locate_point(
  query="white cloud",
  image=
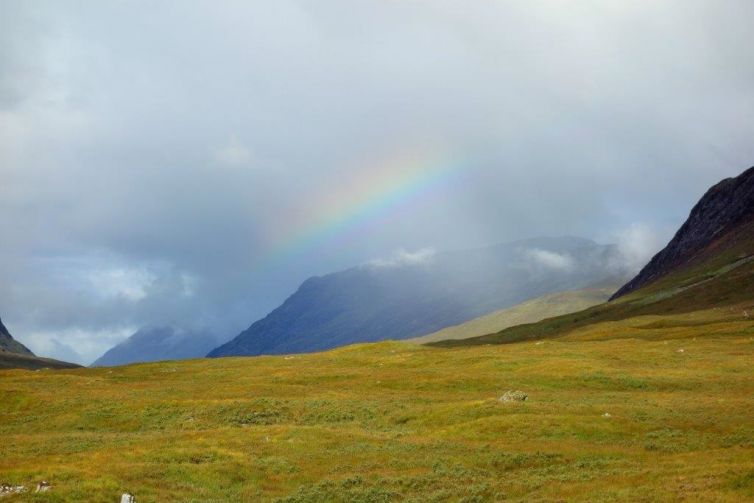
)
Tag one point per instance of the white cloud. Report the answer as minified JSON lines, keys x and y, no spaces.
{"x":131,"y":284}
{"x":550,"y":260}
{"x":402,"y":258}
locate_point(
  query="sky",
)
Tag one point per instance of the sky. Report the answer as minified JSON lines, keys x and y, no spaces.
{"x":192,"y":162}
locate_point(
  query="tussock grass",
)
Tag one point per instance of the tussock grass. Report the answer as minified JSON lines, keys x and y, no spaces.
{"x":400,"y":422}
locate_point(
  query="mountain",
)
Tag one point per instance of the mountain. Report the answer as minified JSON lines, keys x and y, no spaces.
{"x":157,"y":343}
{"x":720,"y":212}
{"x":704,"y":278}
{"x":14,"y":355}
{"x":9,"y":344}
{"x":420,"y":294}
{"x":531,"y":311}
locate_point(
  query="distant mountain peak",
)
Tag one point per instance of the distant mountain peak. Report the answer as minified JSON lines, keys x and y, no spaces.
{"x":154,"y":343}
{"x":725,"y":207}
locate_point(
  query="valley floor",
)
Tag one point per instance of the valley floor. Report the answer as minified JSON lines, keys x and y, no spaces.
{"x":620,"y":419}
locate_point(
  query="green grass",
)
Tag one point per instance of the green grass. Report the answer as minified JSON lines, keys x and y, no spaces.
{"x":396,"y":422}
{"x":530,"y":311}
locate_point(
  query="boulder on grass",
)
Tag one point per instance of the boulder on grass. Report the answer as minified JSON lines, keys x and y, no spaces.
{"x":514,"y":396}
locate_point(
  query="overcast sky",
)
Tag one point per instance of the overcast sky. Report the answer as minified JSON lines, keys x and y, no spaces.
{"x":191,"y":163}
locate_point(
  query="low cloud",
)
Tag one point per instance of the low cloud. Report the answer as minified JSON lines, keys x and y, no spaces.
{"x":550,"y":260}
{"x":403,"y":258}
{"x":638,"y":243}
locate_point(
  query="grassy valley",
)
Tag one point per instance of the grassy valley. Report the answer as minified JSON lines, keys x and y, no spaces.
{"x":645,"y":398}
{"x":621,"y":418}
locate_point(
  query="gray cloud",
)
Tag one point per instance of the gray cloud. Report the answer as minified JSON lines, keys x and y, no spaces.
{"x":151,"y":165}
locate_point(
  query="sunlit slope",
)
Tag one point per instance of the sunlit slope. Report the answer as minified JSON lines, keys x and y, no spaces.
{"x":621,"y":419}
{"x":718,"y":287}
{"x":528,"y":312}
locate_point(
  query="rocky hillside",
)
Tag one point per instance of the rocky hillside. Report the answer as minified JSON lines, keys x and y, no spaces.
{"x":400,"y":300}
{"x":9,"y":344}
{"x":723,"y":209}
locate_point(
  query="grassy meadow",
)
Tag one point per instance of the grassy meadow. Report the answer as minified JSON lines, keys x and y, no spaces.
{"x":632,"y":419}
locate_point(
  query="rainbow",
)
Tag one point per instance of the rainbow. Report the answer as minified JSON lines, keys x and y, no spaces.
{"x":386,"y":188}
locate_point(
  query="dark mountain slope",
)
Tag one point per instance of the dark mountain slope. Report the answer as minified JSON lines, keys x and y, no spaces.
{"x":725,"y":206}
{"x":716,"y":274}
{"x":404,"y":300}
{"x":9,"y":344}
{"x":151,"y":344}
{"x":14,"y":355}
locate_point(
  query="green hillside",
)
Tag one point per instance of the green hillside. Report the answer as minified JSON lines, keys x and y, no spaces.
{"x":716,"y":287}
{"x":530,"y":311}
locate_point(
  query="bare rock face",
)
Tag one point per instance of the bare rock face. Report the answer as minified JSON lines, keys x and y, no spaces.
{"x":724,"y":207}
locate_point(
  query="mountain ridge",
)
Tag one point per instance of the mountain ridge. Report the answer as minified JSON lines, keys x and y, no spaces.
{"x":382,"y":300}
{"x":725,"y":206}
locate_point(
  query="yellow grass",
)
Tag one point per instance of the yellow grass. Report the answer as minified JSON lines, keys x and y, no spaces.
{"x":398,"y":422}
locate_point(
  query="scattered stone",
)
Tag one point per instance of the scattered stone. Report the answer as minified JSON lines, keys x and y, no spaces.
{"x":681,"y":351}
{"x":607,"y":414}
{"x":7,"y":490}
{"x":514,"y":396}
{"x":127,"y":498}
{"x":43,"y":487}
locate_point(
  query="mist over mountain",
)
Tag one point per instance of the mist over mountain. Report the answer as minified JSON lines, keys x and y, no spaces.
{"x":416,"y":294}
{"x":158,"y":343}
